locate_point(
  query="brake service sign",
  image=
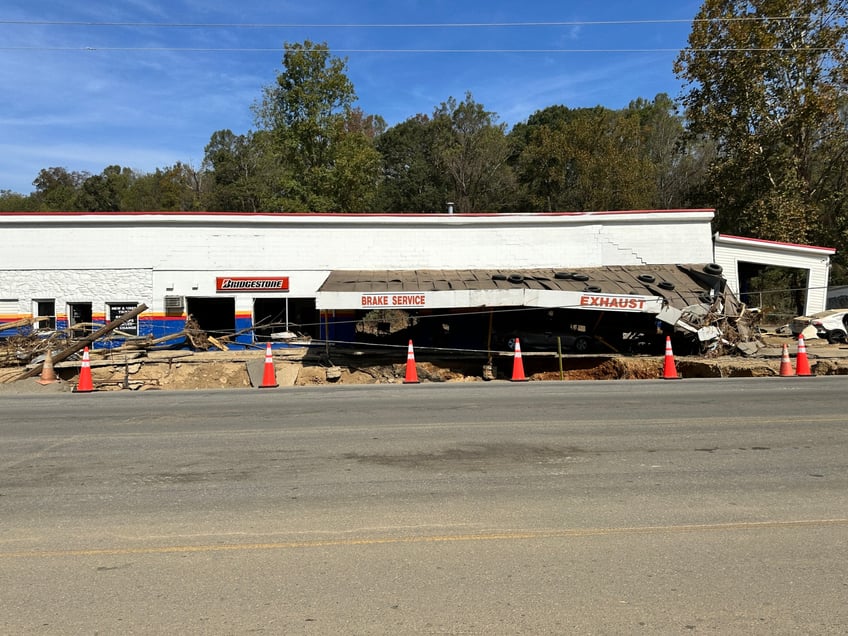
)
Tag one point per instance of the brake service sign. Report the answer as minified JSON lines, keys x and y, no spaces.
{"x":252,"y":283}
{"x":405,"y":301}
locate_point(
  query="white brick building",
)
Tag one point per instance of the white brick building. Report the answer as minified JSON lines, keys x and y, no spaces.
{"x":90,"y":267}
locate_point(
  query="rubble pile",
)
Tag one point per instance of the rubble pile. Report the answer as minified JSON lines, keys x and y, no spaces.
{"x":31,"y":346}
{"x":724,"y":326}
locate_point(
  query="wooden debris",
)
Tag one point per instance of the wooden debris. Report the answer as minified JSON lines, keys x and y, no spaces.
{"x":24,"y":322}
{"x":218,"y":343}
{"x":87,"y":340}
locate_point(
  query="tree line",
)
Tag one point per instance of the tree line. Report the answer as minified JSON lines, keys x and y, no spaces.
{"x":760,"y":133}
{"x":313,"y":158}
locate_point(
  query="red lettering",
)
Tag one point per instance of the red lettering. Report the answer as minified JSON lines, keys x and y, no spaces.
{"x":372,"y":301}
{"x":612,"y":302}
{"x":409,"y":300}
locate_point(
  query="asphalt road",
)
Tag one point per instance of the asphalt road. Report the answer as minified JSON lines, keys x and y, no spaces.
{"x":629,"y":507}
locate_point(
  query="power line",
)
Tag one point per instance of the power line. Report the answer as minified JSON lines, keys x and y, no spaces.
{"x":434,"y":25}
{"x":399,"y":25}
{"x":414,"y":51}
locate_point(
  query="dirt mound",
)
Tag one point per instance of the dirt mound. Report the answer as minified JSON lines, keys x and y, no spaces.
{"x":182,"y":370}
{"x":380,"y":374}
{"x":610,"y":369}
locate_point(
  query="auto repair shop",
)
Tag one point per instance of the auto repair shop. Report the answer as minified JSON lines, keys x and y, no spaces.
{"x":259,"y":277}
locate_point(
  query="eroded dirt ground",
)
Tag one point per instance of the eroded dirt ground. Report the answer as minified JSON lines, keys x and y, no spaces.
{"x":183,"y":370}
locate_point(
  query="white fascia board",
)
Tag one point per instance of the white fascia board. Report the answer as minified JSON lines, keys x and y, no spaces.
{"x":315,"y":220}
{"x":776,"y":247}
{"x":489,"y":298}
{"x":630,"y":303}
{"x":449,"y":299}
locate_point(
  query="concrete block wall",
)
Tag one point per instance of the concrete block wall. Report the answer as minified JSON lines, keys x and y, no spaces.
{"x":99,"y":287}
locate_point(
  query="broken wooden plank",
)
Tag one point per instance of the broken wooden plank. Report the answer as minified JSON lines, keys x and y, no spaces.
{"x":84,"y":342}
{"x":23,"y":322}
{"x":218,"y":343}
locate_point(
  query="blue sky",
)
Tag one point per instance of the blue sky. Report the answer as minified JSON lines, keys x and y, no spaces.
{"x":149,"y":88}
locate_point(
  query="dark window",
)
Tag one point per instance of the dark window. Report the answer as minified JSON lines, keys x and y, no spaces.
{"x":80,"y":314}
{"x":46,"y":308}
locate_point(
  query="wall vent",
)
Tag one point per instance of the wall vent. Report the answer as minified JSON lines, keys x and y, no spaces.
{"x":173,"y":304}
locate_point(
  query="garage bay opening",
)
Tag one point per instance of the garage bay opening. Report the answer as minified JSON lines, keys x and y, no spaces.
{"x":281,"y":319}
{"x":215,"y":316}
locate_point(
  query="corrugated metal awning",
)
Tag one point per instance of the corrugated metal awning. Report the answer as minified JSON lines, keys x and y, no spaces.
{"x":643,"y":288}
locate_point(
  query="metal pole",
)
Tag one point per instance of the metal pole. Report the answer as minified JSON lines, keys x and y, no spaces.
{"x":559,"y":355}
{"x":489,"y":340}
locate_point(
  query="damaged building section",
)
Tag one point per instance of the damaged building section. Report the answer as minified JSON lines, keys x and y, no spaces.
{"x":624,"y":309}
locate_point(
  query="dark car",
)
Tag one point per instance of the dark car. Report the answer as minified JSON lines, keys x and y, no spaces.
{"x":547,"y":341}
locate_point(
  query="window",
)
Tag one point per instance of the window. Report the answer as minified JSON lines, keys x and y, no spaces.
{"x":80,"y":314}
{"x":46,"y":308}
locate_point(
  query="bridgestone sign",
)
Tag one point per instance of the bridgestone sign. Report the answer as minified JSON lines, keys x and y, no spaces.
{"x":252,"y":283}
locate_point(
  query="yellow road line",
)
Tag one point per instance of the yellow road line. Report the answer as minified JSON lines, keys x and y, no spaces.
{"x":486,"y":536}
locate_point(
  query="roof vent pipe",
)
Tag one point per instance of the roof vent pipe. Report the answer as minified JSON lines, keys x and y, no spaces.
{"x":450,"y":207}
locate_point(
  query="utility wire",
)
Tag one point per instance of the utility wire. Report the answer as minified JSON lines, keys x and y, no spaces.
{"x":399,"y":25}
{"x":433,"y":25}
{"x":412,"y":51}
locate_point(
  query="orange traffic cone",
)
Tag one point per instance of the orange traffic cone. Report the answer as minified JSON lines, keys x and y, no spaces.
{"x":48,"y":374}
{"x":669,"y":368}
{"x":785,"y":364}
{"x":518,"y":364}
{"x":802,"y":363}
{"x":269,"y":374}
{"x":411,"y":370}
{"x":85,"y":385}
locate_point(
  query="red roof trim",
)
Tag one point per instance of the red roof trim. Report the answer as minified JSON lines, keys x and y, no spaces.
{"x":351,"y":214}
{"x":747,"y":239}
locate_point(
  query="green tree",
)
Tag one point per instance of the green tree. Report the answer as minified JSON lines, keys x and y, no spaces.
{"x":584,"y":159}
{"x":57,"y":189}
{"x":324,"y":161}
{"x":179,"y":187}
{"x":107,"y":191}
{"x":15,"y":202}
{"x":767,"y":84}
{"x":354,"y":176}
{"x":236,"y":166}
{"x":662,"y":133}
{"x":411,"y":179}
{"x":472,"y":149}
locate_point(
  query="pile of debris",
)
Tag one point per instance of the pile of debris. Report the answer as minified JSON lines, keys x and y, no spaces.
{"x":33,"y":348}
{"x":722,"y":325}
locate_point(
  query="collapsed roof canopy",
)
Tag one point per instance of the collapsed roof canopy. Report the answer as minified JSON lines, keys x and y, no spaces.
{"x":644,"y":288}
